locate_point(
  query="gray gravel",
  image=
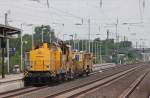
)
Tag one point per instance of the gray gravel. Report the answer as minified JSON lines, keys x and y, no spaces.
{"x":143,"y":90}
{"x":114,"y":89}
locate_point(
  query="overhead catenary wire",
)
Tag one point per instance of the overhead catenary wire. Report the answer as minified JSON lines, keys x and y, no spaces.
{"x":39,"y":17}
{"x":64,"y":14}
{"x":62,"y":11}
{"x":68,"y":14}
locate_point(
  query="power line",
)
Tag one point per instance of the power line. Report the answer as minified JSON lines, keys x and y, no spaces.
{"x":67,"y":14}
{"x":62,"y":11}
{"x":101,"y":3}
{"x":48,"y":3}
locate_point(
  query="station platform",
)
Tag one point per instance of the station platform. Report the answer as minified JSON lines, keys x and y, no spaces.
{"x":11,"y":77}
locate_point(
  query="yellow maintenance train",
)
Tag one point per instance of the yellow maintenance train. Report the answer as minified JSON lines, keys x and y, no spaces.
{"x":55,"y":62}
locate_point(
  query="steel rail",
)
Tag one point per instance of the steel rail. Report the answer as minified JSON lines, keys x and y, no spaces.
{"x":69,"y":92}
{"x":20,"y":91}
{"x":24,"y":91}
{"x":134,"y":85}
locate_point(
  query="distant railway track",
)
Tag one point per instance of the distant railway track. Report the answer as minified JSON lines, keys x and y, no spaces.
{"x":76,"y":91}
{"x":133,"y":86}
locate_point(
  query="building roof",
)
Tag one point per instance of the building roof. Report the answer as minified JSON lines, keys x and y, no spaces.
{"x":6,"y":31}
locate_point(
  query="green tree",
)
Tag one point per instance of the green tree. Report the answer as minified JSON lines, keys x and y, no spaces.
{"x":47,"y":32}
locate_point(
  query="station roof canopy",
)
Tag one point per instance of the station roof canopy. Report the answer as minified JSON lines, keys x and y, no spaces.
{"x":6,"y":31}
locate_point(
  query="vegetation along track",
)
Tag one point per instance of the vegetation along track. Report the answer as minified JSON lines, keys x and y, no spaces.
{"x":76,"y":91}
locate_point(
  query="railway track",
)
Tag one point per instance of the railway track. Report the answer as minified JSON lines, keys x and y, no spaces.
{"x":74,"y":92}
{"x":126,"y":92}
{"x":24,"y":92}
{"x":133,"y":86}
{"x":20,"y":91}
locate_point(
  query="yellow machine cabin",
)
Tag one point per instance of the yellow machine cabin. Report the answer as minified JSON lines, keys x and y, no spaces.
{"x":55,"y":62}
{"x":46,"y":58}
{"x":40,"y":58}
{"x":48,"y":61}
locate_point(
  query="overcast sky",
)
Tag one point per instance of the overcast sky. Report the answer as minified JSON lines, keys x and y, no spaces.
{"x":71,"y":12}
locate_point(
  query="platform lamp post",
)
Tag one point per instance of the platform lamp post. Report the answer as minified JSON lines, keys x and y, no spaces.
{"x":7,"y":21}
{"x":69,"y":42}
{"x":133,"y":34}
{"x":21,"y":56}
{"x":54,"y":25}
{"x":32,"y":25}
{"x":43,"y":28}
{"x":64,"y":39}
{"x":95,"y":51}
{"x":100,"y":51}
{"x":82,"y":44}
{"x":92,"y":45}
{"x":79,"y":24}
{"x":50,"y":37}
{"x":58,"y":37}
{"x":96,"y":45}
{"x":76,"y":42}
{"x":21,"y":67}
{"x":42,"y":33}
{"x":72,"y":36}
{"x":22,"y":44}
{"x":64,"y":36}
{"x":100,"y":55}
{"x":101,"y":59}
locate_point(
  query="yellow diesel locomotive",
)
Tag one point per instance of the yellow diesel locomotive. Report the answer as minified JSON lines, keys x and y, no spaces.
{"x":55,"y":62}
